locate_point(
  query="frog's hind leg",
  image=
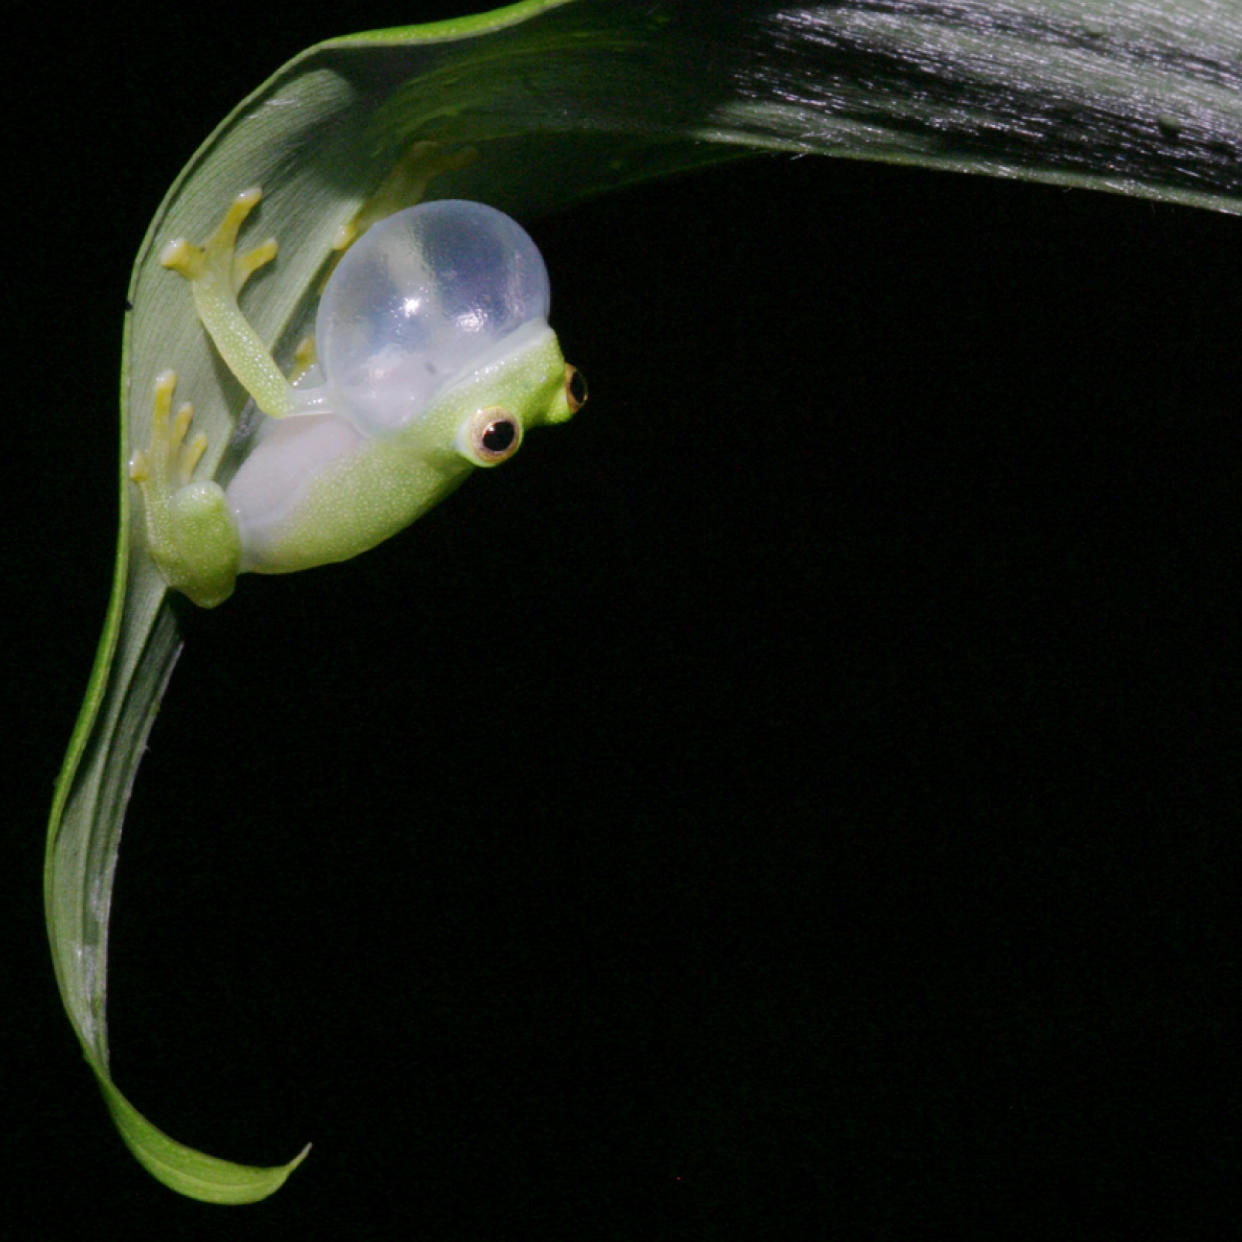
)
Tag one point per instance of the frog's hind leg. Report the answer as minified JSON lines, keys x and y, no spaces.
{"x":217,"y":273}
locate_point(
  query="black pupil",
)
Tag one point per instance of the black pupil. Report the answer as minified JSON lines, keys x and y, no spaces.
{"x":499,"y":436}
{"x":577,"y":387}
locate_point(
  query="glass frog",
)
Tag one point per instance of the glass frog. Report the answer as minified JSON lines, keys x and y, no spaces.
{"x":434,"y":356}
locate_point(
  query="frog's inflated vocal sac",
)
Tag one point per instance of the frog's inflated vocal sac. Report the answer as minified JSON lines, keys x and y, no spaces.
{"x":433,"y":356}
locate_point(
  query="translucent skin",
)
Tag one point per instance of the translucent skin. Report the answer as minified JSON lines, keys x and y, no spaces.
{"x":423,"y":295}
{"x":434,"y":356}
{"x":316,"y":489}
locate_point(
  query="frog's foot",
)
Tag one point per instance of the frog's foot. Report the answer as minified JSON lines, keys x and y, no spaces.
{"x":190,"y":531}
{"x":217,"y":259}
{"x":217,"y":273}
{"x":168,"y":463}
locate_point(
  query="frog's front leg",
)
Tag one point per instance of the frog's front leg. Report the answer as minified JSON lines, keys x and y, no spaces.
{"x":191,"y":532}
{"x":216,"y":273}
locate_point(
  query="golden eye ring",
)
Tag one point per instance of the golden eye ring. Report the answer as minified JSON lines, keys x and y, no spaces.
{"x":490,"y":436}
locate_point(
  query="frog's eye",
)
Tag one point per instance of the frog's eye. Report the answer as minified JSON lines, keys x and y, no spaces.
{"x":489,"y":436}
{"x":575,"y":388}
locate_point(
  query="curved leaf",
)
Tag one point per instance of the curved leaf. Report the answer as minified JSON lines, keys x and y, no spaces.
{"x":542,"y":104}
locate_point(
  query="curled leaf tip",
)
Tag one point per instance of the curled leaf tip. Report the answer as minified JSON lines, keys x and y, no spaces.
{"x":190,"y":1172}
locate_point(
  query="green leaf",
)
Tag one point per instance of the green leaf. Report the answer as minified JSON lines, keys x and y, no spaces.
{"x":540,"y":105}
{"x":192,"y":1173}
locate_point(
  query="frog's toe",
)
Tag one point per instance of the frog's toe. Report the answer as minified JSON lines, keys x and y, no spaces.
{"x":182,"y":258}
{"x":188,"y":455}
{"x":245,"y":265}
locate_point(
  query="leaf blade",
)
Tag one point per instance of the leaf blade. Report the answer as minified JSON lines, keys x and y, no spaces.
{"x":616,"y":93}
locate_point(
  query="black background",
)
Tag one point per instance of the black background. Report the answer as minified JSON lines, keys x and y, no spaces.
{"x":797,"y":798}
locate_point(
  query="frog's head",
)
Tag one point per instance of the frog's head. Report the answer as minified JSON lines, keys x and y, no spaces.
{"x":440,"y":303}
{"x":524,"y":383}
